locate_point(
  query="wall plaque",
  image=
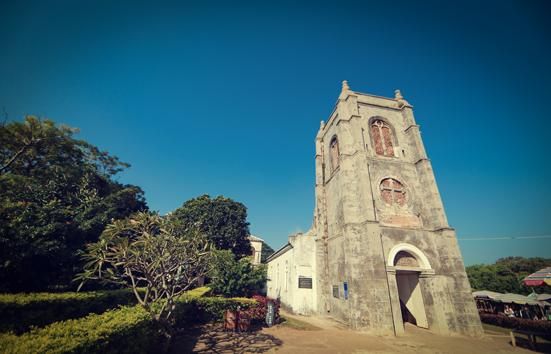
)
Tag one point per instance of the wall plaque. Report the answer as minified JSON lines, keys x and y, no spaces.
{"x":304,"y":282}
{"x":336,"y":291}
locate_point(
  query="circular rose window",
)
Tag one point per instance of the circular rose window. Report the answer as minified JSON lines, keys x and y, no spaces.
{"x":393,"y":192}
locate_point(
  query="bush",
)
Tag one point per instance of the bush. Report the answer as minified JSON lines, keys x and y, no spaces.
{"x":191,"y":310}
{"x":213,"y":308}
{"x":517,"y":323}
{"x":128,"y":329}
{"x":258,"y":312}
{"x":197,"y":310}
{"x":125,"y":330}
{"x":18,"y":312}
{"x":197,"y":292}
{"x":231,"y":277}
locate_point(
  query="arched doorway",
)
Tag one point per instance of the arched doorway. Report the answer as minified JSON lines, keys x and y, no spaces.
{"x":408,"y":262}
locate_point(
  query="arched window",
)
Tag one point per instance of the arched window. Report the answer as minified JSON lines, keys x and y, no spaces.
{"x":405,"y":259}
{"x":397,"y":253}
{"x":382,"y":138}
{"x":334,"y":153}
{"x":393,"y":192}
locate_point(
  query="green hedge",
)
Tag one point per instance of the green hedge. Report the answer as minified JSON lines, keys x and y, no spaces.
{"x":18,"y":312}
{"x":197,"y":292}
{"x":192,"y":310}
{"x":125,"y":330}
{"x":213,"y":308}
{"x":194,"y":306}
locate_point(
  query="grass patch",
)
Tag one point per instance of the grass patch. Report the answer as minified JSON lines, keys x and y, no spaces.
{"x":297,"y":324}
{"x":491,"y":329}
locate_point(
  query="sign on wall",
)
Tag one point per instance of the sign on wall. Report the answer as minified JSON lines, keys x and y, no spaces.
{"x":304,"y":282}
{"x":345,"y":288}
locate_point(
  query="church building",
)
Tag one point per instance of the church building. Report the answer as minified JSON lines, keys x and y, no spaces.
{"x":380,"y":251}
{"x":256,"y":249}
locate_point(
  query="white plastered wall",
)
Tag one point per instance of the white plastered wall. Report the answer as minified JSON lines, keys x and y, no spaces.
{"x":284,"y":272}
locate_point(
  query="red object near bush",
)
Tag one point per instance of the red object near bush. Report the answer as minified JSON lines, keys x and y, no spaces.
{"x":243,"y":321}
{"x":230,"y":320}
{"x":258,"y":312}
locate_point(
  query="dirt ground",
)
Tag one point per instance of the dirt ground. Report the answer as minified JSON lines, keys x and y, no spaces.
{"x":327,"y":336}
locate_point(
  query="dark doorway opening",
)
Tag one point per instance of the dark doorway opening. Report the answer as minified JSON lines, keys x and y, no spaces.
{"x":411,"y":300}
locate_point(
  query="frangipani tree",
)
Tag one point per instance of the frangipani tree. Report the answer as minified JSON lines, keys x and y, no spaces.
{"x":153,"y":255}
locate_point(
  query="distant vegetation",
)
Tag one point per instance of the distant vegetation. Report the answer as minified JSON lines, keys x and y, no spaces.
{"x":506,"y":274}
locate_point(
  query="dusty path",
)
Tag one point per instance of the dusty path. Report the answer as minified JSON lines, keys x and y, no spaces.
{"x":332,"y":337}
{"x":329,"y":336}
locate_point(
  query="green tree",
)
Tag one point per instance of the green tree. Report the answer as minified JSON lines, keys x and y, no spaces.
{"x":235,"y":277}
{"x":146,"y":251}
{"x":506,"y":274}
{"x":56,"y":194}
{"x":222,"y":220}
{"x":267,"y":251}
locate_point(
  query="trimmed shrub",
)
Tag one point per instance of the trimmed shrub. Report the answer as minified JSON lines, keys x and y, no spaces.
{"x":232,"y":277}
{"x":18,"y":312}
{"x":517,"y":323}
{"x":197,"y":310}
{"x":125,"y":330}
{"x":197,"y":292}
{"x":213,"y":308}
{"x":203,"y":309}
{"x":258,"y":312}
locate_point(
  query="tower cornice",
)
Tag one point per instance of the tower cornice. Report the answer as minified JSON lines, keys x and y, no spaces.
{"x":397,"y":103}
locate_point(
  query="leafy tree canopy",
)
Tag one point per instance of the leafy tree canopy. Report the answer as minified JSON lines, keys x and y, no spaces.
{"x":506,"y":274}
{"x":222,"y":220}
{"x":231,"y":277}
{"x":56,"y":194}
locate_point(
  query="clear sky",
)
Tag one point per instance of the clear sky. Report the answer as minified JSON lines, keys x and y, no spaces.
{"x":226,"y":98}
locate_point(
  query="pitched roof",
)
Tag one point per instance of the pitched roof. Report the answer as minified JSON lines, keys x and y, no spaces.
{"x":508,"y":298}
{"x":279,"y":252}
{"x":255,"y":238}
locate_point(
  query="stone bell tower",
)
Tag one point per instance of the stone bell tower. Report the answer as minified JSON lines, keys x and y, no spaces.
{"x":385,"y":253}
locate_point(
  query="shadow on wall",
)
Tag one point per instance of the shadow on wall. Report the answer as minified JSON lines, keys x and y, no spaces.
{"x":212,"y":338}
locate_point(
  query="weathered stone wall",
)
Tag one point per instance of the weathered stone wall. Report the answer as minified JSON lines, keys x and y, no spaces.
{"x":376,"y":196}
{"x":446,"y":290}
{"x":356,"y":223}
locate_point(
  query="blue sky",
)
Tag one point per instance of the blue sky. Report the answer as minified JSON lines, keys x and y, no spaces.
{"x":215,"y":98}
